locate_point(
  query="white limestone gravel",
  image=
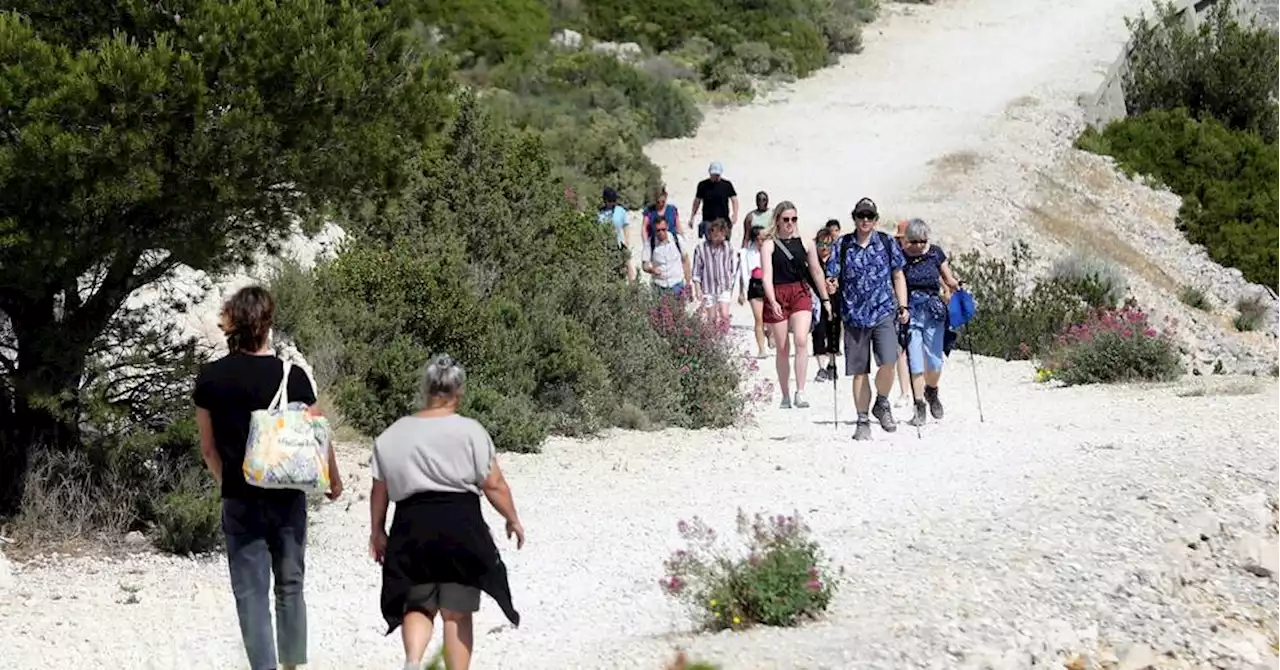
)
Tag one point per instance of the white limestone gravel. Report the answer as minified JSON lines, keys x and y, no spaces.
{"x":1125,"y":524}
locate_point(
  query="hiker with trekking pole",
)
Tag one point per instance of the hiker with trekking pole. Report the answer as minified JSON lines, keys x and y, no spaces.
{"x":866,"y":269}
{"x":927,"y":272}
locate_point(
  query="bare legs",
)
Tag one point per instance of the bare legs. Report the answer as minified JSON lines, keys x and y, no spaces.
{"x":862,"y":390}
{"x":416,"y":632}
{"x":757,"y":313}
{"x":929,"y":378}
{"x":905,"y":383}
{"x":797,"y":323}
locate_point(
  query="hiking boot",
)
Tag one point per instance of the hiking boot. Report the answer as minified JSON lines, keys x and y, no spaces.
{"x":935,"y":405}
{"x":882,"y":412}
{"x":786,"y":402}
{"x":919,"y":418}
{"x":863,"y":431}
{"x":832,"y":375}
{"x":800,"y":402}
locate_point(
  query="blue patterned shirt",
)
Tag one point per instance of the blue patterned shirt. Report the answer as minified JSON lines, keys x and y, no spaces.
{"x":866,"y":288}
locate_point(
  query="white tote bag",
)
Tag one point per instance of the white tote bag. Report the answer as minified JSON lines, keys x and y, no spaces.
{"x":288,"y":445}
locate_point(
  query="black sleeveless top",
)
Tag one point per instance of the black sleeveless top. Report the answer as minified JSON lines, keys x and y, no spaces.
{"x":789,"y":271}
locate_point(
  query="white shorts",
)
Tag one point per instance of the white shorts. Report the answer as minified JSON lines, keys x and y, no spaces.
{"x":709,"y":300}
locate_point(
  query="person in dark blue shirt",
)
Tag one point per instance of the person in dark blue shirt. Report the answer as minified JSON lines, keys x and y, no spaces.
{"x":926,"y":272}
{"x":867,"y":269}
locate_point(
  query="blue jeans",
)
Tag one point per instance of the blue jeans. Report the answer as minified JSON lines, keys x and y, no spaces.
{"x":924,"y":349}
{"x":267,"y":537}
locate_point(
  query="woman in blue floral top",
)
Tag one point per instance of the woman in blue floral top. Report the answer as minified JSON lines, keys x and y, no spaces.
{"x":926,"y":272}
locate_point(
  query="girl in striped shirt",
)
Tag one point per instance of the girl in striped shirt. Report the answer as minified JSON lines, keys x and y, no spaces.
{"x":715,"y":271}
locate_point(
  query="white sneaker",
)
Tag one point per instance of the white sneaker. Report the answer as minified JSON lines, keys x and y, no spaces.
{"x":800,"y":402}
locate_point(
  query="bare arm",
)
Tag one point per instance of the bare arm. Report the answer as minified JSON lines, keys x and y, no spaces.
{"x":766,"y":267}
{"x":697,"y":205}
{"x":378,"y":502}
{"x":498,"y":493}
{"x":688,"y":271}
{"x":733,"y":209}
{"x":746,"y":228}
{"x":816,"y":271}
{"x":948,"y":278}
{"x":900,"y":287}
{"x":208,"y":449}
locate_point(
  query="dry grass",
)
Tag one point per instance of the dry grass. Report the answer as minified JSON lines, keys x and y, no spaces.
{"x":1231,"y":388}
{"x":956,"y":163}
{"x":1076,"y":222}
{"x":68,"y":511}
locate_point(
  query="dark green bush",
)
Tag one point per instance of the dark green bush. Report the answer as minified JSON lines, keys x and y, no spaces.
{"x":489,"y":30}
{"x":1222,"y":68}
{"x":1227,"y":180}
{"x":189,"y":518}
{"x":486,"y":259}
{"x":1013,"y":323}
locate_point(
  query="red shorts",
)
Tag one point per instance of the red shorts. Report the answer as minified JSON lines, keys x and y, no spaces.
{"x":792,"y":298}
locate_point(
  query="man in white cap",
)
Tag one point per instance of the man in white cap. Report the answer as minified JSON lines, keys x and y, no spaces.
{"x":716,"y":199}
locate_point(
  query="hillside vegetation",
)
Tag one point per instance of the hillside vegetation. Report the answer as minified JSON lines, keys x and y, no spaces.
{"x":1204,"y":123}
{"x":457,"y":145}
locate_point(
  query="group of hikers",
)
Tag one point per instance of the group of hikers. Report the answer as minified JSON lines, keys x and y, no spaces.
{"x":865,"y":293}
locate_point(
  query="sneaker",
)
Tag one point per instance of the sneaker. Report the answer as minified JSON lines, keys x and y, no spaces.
{"x":800,"y":402}
{"x":822,"y":376}
{"x":919,"y":418}
{"x":902,"y":401}
{"x":935,"y":405}
{"x":884,"y":415}
{"x":863,"y":431}
{"x":786,"y":403}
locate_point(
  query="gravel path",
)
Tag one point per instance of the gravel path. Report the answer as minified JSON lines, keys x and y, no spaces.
{"x":1112,"y":522}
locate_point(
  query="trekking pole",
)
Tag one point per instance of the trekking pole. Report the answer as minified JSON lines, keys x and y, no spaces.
{"x":973,"y":365}
{"x":905,"y":338}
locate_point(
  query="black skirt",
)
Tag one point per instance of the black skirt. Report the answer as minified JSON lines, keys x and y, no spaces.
{"x":441,"y":538}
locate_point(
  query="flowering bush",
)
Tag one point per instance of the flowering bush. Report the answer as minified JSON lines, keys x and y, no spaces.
{"x":1113,"y":345}
{"x":782,"y":580}
{"x":710,"y":373}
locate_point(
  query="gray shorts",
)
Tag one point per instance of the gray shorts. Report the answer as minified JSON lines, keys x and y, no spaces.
{"x":881,"y":338}
{"x":447,"y":596}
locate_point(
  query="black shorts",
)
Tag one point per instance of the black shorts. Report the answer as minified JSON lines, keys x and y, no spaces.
{"x":826,"y":335}
{"x":755,"y":289}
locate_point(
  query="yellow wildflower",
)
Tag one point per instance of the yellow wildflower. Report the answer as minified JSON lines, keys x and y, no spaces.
{"x":736,"y":621}
{"x":713,"y":602}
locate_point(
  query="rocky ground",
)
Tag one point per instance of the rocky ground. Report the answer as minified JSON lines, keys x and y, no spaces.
{"x":1120,"y":527}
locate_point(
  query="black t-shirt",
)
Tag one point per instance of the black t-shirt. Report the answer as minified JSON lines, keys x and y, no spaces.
{"x":715,"y":198}
{"x":231,"y":388}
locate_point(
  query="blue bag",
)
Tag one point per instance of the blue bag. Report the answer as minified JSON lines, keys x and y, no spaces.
{"x":961,"y":309}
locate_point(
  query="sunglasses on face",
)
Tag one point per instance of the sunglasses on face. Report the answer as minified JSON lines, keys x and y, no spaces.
{"x":864,"y":217}
{"x":663,"y":229}
{"x":917,"y":241}
{"x":789,"y":219}
{"x":823,"y":245}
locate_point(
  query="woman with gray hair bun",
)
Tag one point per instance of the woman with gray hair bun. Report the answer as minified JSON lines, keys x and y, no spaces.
{"x":439,"y":555}
{"x":926,"y":272}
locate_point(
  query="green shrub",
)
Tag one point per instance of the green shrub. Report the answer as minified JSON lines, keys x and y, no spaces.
{"x":1195,"y":298}
{"x":189,"y":518}
{"x":486,"y":259}
{"x":1252,"y":312}
{"x":1111,"y":346}
{"x":1097,"y":282}
{"x":1013,"y":323}
{"x":1227,"y":180}
{"x":489,"y":30}
{"x":783,"y":580}
{"x":1221,"y":68}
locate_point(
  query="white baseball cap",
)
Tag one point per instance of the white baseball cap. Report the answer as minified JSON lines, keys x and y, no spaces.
{"x":716,"y":168}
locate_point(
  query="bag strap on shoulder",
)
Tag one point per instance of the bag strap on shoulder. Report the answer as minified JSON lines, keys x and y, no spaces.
{"x":281,"y":399}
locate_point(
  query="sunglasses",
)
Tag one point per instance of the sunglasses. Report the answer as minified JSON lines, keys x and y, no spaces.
{"x":917,"y":241}
{"x":789,"y":219}
{"x":824,"y":244}
{"x":864,"y":217}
